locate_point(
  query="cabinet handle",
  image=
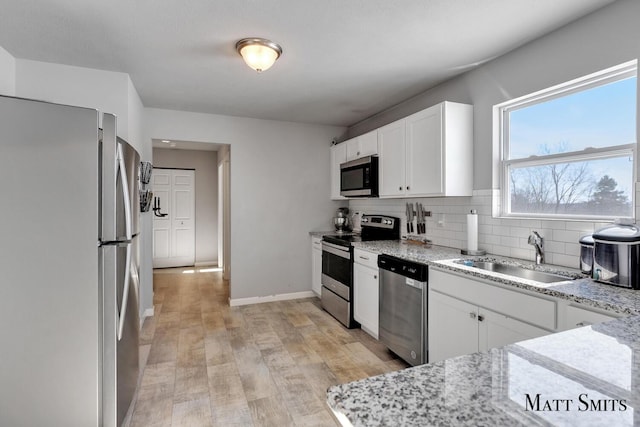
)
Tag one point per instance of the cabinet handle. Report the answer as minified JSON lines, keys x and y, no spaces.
{"x":363,"y":257}
{"x":400,"y":188}
{"x":584,"y":323}
{"x":480,"y":318}
{"x":358,"y":153}
{"x":472,"y":315}
{"x":375,"y":276}
{"x":407,"y":187}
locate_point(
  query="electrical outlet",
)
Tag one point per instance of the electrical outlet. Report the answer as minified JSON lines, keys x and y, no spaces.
{"x":441,"y":220}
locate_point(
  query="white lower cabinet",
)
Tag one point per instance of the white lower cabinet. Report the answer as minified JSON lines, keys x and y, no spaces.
{"x":453,"y":327}
{"x":316,"y":264}
{"x":497,"y":330}
{"x":366,"y":291}
{"x":467,"y":315}
{"x":577,"y":316}
{"x":459,"y":325}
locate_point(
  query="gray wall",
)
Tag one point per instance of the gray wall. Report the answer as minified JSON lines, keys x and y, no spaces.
{"x":605,"y":38}
{"x":7,"y":73}
{"x":206,"y":193}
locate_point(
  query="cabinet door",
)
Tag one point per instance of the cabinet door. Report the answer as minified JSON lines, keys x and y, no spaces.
{"x":368,"y":144}
{"x":453,"y":327}
{"x":362,"y":146}
{"x":365,"y":298}
{"x":338,"y":156}
{"x":391,"y":143}
{"x":352,"y":147}
{"x":497,"y":330}
{"x":316,"y":265}
{"x":424,"y":151}
{"x":576,"y":317}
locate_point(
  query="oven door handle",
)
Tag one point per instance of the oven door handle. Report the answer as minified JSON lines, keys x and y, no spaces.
{"x":340,"y":251}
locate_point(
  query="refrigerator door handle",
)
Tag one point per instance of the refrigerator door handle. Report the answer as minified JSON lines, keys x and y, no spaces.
{"x":125,"y":292}
{"x":125,"y":192}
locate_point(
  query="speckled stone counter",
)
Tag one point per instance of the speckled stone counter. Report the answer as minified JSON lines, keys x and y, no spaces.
{"x":582,"y":290}
{"x":585,"y":376}
{"x":410,"y":251}
{"x":321,"y":233}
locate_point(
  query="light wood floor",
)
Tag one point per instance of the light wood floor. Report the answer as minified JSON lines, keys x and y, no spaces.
{"x":257,"y":365}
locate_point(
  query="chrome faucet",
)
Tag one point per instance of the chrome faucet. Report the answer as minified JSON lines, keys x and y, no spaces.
{"x":537,"y":241}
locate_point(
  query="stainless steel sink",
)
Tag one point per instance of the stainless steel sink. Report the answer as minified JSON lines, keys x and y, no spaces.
{"x":512,"y":270}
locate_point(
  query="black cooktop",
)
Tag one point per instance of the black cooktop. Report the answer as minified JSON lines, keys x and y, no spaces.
{"x":374,"y":227}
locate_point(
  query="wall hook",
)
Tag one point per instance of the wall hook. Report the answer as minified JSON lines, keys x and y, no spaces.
{"x":156,"y":208}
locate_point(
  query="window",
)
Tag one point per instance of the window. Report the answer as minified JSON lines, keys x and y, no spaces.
{"x":569,"y":151}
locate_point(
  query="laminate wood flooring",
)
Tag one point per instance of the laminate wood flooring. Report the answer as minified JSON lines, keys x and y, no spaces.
{"x":208,"y":364}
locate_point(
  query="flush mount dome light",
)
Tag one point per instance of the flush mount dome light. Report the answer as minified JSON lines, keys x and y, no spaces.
{"x":259,"y":54}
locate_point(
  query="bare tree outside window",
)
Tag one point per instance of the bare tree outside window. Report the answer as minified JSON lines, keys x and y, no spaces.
{"x":569,"y":151}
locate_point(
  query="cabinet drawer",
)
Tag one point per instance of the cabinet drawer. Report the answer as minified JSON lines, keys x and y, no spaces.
{"x":531,"y":309}
{"x":577,"y":317}
{"x":366,"y":258}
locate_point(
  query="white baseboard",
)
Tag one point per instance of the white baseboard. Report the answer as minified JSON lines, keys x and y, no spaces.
{"x":147,"y":313}
{"x":206,"y":263}
{"x":271,"y":298}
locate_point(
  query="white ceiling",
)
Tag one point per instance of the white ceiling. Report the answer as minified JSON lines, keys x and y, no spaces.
{"x":343,"y":60}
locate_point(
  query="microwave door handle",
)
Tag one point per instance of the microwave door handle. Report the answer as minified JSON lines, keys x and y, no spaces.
{"x":125,"y":192}
{"x":125,"y":292}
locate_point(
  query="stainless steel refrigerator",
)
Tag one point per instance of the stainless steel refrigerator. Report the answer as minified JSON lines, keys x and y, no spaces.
{"x":69,"y":281}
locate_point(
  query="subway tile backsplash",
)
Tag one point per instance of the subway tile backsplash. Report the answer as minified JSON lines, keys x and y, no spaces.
{"x":447,"y":226}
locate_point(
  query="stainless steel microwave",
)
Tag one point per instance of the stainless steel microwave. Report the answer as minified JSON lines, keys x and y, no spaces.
{"x":359,"y":178}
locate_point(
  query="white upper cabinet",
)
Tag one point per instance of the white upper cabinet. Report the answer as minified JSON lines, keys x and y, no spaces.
{"x":391,"y":141}
{"x":362,"y":146}
{"x":429,"y":153}
{"x":338,"y":156}
{"x":424,"y":152}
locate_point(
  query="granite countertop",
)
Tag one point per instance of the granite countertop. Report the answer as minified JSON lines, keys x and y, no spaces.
{"x":583,"y":290}
{"x":321,"y":233}
{"x":584,"y":376}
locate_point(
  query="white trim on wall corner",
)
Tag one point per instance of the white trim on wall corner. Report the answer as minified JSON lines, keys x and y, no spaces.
{"x":271,"y":298}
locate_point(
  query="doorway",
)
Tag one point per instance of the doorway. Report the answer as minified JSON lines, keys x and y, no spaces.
{"x":173,"y":217}
{"x":204,"y":159}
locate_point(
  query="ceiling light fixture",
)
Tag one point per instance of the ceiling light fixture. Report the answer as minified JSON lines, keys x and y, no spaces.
{"x":259,"y":54}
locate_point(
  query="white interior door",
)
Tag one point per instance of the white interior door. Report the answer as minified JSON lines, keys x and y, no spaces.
{"x":174,"y":217}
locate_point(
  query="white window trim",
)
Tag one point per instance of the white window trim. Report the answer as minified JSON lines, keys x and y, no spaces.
{"x":500,"y":111}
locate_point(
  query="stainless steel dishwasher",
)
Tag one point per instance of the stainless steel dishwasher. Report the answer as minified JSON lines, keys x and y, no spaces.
{"x":403,"y":308}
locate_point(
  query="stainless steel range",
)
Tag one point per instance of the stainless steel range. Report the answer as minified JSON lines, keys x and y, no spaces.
{"x":337,"y":264}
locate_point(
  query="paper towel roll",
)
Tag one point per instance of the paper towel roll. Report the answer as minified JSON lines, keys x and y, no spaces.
{"x":472,"y":231}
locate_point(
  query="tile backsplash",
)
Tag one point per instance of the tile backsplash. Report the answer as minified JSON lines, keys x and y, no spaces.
{"x":447,"y":226}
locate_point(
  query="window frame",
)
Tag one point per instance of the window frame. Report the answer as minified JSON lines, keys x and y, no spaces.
{"x":610,"y":75}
